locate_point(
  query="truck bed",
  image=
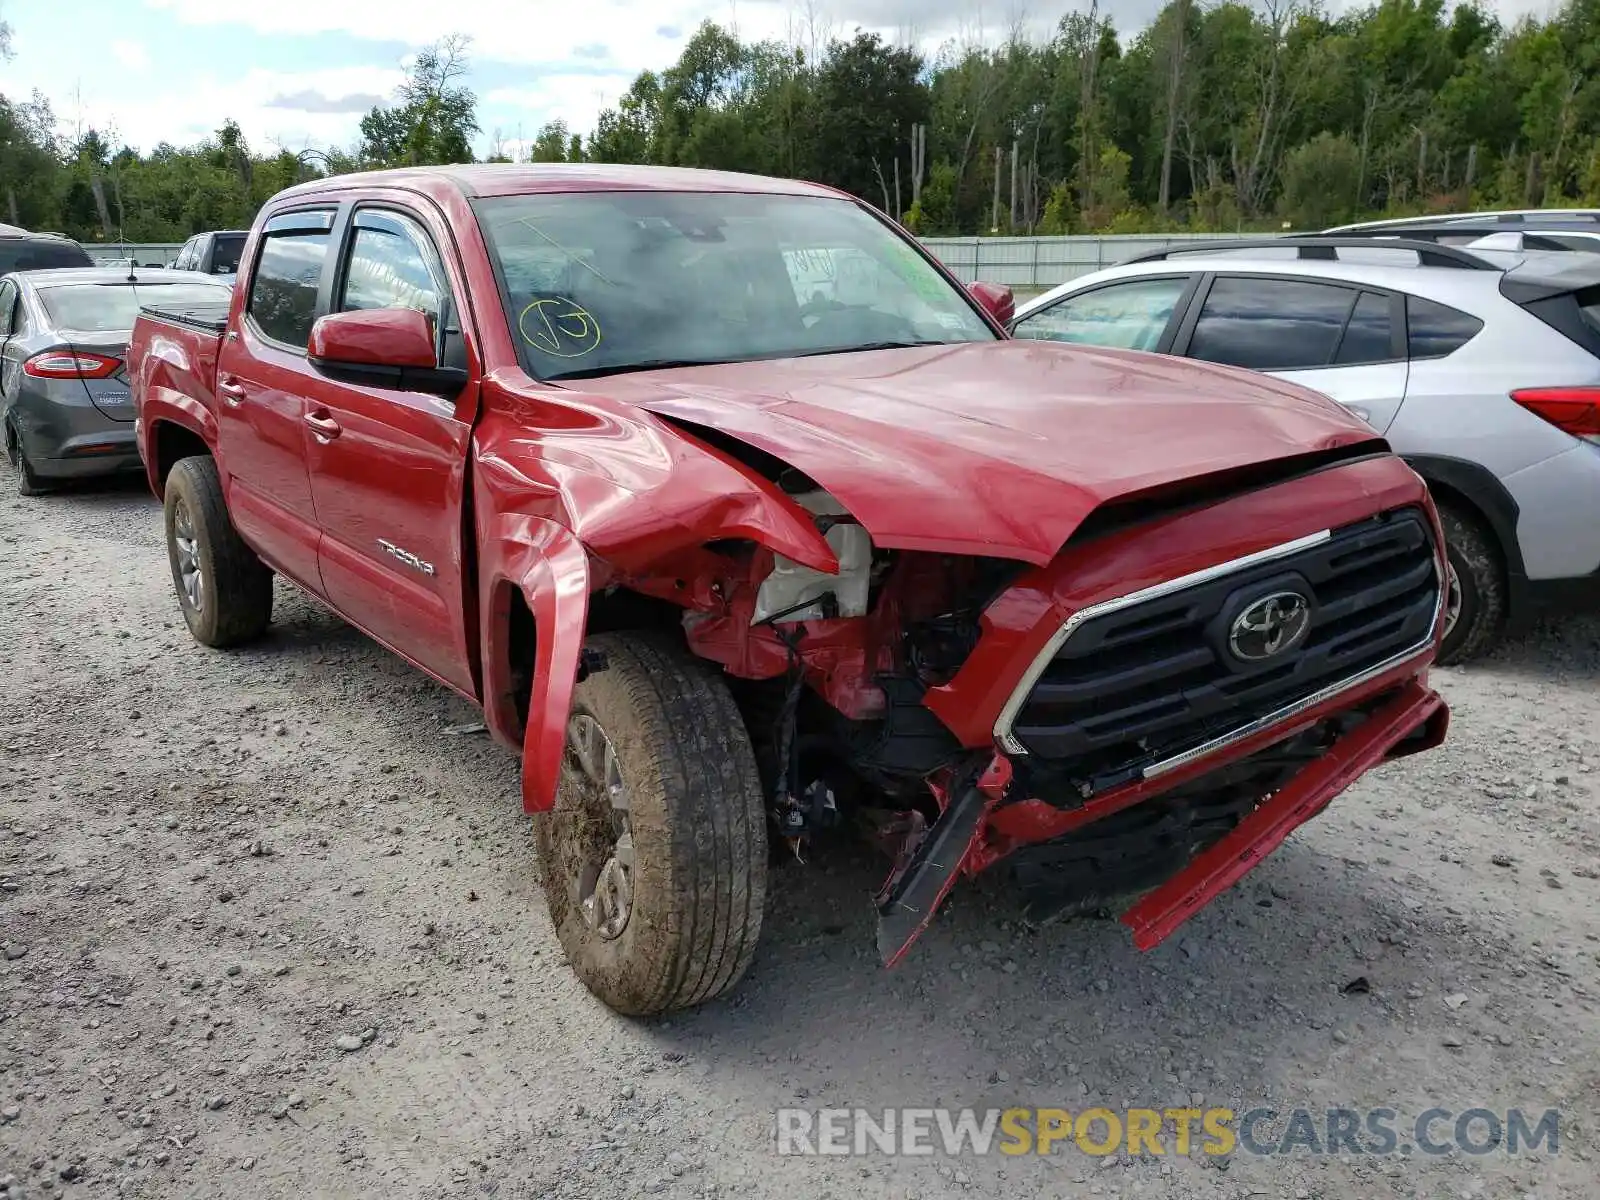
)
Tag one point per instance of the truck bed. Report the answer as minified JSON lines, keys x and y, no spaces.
{"x":208,"y":316}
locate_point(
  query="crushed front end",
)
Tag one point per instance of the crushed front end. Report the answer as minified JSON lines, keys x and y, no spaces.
{"x":1160,"y":706}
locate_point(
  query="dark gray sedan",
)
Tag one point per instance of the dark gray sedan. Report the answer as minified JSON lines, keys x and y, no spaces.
{"x":64,"y":394}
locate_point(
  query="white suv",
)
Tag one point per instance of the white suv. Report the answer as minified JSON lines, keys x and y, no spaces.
{"x":1480,"y":366}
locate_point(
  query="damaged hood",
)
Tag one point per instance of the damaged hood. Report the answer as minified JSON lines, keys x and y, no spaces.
{"x":994,"y":448}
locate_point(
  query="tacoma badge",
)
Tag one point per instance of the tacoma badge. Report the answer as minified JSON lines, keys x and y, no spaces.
{"x":405,"y":556}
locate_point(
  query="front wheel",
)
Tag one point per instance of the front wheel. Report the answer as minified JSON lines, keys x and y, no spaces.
{"x":654,"y":856}
{"x":224,"y":590}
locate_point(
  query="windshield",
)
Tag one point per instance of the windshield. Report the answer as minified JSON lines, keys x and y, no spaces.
{"x":598,"y":282}
{"x":225,"y":251}
{"x":115,"y":306}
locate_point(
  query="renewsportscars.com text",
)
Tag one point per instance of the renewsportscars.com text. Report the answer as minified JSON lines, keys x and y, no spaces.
{"x":1159,"y":1131}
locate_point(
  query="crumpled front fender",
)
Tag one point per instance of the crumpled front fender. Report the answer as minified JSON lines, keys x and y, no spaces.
{"x":551,"y":569}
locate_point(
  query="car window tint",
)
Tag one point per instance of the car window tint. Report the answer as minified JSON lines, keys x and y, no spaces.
{"x":283,"y":294}
{"x":1434,"y":330}
{"x":28,"y":254}
{"x":1270,"y":324}
{"x":392,"y":265}
{"x":8,"y":307}
{"x":1589,"y":306}
{"x":1132,"y":316}
{"x":1367,"y":337}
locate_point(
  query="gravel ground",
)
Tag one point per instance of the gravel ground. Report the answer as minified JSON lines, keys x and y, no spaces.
{"x":272,"y":928}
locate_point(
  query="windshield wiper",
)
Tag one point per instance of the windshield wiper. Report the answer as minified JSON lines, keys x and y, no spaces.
{"x":649,"y":364}
{"x":866,"y":346}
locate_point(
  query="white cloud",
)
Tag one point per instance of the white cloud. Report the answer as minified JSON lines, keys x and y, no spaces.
{"x":574,"y":99}
{"x":532,"y":32}
{"x":187,"y":107}
{"x":131,"y":55}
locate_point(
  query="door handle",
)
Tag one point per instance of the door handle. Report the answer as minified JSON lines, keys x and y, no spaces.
{"x":324,"y":427}
{"x":232,"y":391}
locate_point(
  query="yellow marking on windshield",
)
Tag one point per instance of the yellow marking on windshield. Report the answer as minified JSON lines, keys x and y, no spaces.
{"x":559,"y":327}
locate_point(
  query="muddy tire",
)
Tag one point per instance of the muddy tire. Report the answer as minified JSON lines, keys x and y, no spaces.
{"x":23,"y":479}
{"x":654,"y":857}
{"x":1475,"y":607}
{"x":224,"y":590}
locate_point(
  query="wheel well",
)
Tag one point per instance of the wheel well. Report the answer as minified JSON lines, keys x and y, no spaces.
{"x":1446,"y":496}
{"x":612,"y":611}
{"x":174,"y":442}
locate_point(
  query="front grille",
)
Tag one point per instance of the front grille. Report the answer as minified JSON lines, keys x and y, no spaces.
{"x":1146,"y":681}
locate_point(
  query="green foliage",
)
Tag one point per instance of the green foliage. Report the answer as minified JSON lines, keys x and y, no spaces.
{"x":1252,"y":113}
{"x":434,"y":117}
{"x":1320,"y":179}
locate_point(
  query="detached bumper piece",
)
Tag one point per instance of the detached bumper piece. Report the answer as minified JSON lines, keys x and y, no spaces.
{"x":1190,"y":843}
{"x":1412,"y":720}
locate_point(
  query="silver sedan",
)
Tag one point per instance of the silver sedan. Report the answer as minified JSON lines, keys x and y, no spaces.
{"x":64,"y":397}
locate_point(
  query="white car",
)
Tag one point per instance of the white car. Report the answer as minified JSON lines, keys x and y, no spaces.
{"x":1481,"y":366}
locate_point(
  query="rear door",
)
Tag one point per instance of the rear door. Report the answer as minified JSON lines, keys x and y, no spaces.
{"x":1343,"y":340}
{"x":263,"y":385}
{"x":388,"y":467}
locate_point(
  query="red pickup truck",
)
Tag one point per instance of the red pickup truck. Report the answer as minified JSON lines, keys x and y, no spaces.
{"x":742,"y":520}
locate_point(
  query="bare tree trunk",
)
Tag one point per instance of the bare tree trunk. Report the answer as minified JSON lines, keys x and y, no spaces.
{"x":877,"y":170}
{"x":898,"y":211}
{"x":1472,"y":168}
{"x":1174,"y":81}
{"x":919,"y":164}
{"x":994,"y":210}
{"x":1091,"y":67}
{"x":1033,"y":180}
{"x":1533,"y":187}
{"x":1369,"y":113}
{"x":1422,"y":164}
{"x":1016,"y":154}
{"x":1561,"y":136}
{"x":11,"y":197}
{"x":98,"y":187}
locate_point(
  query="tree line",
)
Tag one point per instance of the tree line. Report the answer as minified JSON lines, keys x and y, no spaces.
{"x":1216,"y":116}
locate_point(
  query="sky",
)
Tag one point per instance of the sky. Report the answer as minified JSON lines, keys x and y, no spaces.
{"x":301,"y":73}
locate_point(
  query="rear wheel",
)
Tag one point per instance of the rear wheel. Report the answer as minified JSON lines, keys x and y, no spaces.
{"x":22,"y":474}
{"x":654,"y":856}
{"x":1475,"y":599}
{"x":224,"y":590}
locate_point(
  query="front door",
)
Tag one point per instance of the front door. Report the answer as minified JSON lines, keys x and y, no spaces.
{"x":263,"y":381}
{"x":388,"y":467}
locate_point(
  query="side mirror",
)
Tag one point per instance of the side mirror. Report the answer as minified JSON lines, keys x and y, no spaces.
{"x":996,"y":299}
{"x":382,"y":347}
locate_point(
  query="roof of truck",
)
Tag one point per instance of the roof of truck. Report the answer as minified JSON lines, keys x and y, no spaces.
{"x":516,"y":179}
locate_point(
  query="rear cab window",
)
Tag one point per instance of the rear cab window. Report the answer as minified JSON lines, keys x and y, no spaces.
{"x":226,"y":249}
{"x":288,"y":276}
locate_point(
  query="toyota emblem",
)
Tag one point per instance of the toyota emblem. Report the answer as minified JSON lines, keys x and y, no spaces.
{"x":1270,"y":626}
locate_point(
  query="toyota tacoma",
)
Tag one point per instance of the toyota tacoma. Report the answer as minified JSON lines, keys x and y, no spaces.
{"x":742,"y":519}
